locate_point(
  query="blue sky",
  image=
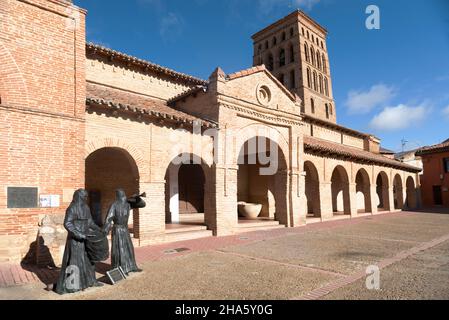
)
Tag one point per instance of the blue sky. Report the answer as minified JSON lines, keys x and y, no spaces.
{"x":392,"y":82}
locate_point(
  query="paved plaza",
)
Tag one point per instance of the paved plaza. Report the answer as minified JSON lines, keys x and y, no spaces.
{"x":319,"y":261}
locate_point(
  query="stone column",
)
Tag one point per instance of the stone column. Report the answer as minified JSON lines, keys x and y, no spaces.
{"x":373,"y":192}
{"x":299,"y":201}
{"x":150,"y":221}
{"x":390,"y":193}
{"x":327,"y":211}
{"x":352,"y":199}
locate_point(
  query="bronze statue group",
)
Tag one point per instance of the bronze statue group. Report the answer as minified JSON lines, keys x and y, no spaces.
{"x":87,"y":243}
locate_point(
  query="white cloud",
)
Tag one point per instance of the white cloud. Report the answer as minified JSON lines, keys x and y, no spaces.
{"x":360,"y":102}
{"x":171,"y":26}
{"x":446,"y":112}
{"x":399,"y":117}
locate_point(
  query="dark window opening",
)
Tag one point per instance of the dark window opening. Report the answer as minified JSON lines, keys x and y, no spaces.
{"x":446,"y":165}
{"x":282,"y":58}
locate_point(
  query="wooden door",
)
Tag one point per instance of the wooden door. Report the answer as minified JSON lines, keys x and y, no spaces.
{"x":191,"y":189}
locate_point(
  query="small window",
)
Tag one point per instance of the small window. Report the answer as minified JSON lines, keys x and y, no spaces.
{"x":327,"y":111}
{"x":266,"y":44}
{"x":303,"y":32}
{"x":292,"y":32}
{"x":283,"y":36}
{"x":270,"y":64}
{"x":326,"y":87}
{"x":292,"y":54}
{"x":292,"y":79}
{"x":275,"y":41}
{"x":306,"y":51}
{"x":281,"y":78}
{"x":312,"y":105}
{"x":282,"y":58}
{"x":308,"y":37}
{"x":322,"y":45}
{"x":324,"y":63}
{"x":309,"y":84}
{"x":315,"y":81}
{"x":260,"y":48}
{"x":446,"y":165}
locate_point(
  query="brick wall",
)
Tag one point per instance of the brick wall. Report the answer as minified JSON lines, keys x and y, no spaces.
{"x":42,"y":110}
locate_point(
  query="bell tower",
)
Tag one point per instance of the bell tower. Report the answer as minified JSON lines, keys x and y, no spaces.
{"x":294,"y":50}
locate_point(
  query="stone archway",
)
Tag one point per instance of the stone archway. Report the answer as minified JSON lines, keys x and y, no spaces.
{"x":262,"y":178}
{"x":340,"y":191}
{"x":411,"y":201}
{"x":312,"y":190}
{"x":398,"y":194}
{"x":108,"y":169}
{"x":185,"y":190}
{"x":382,"y":191}
{"x":363,"y":189}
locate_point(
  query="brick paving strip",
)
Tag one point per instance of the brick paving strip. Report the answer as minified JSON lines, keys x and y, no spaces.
{"x":342,"y":282}
{"x":14,"y":274}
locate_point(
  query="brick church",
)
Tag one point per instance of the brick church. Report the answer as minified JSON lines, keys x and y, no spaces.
{"x":79,"y":115}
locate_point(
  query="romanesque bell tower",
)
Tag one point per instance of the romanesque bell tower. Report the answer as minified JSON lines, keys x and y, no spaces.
{"x":294,"y":50}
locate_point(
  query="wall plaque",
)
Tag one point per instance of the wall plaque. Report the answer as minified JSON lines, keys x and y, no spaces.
{"x":22,"y":197}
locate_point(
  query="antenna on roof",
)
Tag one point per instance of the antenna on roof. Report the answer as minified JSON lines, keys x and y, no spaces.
{"x":403,"y":143}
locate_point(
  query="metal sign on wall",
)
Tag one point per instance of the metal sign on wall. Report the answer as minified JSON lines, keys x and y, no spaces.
{"x":22,"y":197}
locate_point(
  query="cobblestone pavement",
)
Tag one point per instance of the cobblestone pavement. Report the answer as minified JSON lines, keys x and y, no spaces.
{"x":319,"y":261}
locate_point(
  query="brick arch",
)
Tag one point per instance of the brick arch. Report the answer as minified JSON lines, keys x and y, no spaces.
{"x":13,"y":87}
{"x":94,"y":145}
{"x":260,"y":130}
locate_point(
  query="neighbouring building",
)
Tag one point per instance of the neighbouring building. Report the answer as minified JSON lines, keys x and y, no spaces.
{"x":409,"y":157}
{"x":76,"y":115}
{"x":435,"y":177}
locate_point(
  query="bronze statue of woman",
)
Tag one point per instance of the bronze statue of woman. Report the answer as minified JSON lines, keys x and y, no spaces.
{"x":122,"y":251}
{"x":77,"y":271}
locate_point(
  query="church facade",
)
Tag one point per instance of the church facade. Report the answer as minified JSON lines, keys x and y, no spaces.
{"x":79,"y":115}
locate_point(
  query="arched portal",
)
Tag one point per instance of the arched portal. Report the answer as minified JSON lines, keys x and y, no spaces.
{"x":262,"y":178}
{"x":312,"y":190}
{"x":398,"y":194}
{"x":340,"y":191}
{"x":185,"y":190}
{"x":412,"y":202}
{"x":363,"y":191}
{"x":382,"y":191}
{"x":108,"y":169}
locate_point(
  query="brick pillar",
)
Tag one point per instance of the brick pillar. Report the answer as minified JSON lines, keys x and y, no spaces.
{"x":299,"y":201}
{"x":150,"y":220}
{"x":373,"y":192}
{"x":390,"y":193}
{"x":352,"y":199}
{"x":327,"y":211}
{"x":223,"y":217}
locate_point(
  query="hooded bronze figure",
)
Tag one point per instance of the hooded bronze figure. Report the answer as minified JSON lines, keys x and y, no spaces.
{"x":77,"y":271}
{"x":122,"y":251}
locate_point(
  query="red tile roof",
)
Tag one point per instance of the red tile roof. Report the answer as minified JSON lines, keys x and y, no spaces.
{"x":441,"y":147}
{"x":312,"y":119}
{"x":95,"y":49}
{"x":315,"y":145}
{"x":124,"y":100}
